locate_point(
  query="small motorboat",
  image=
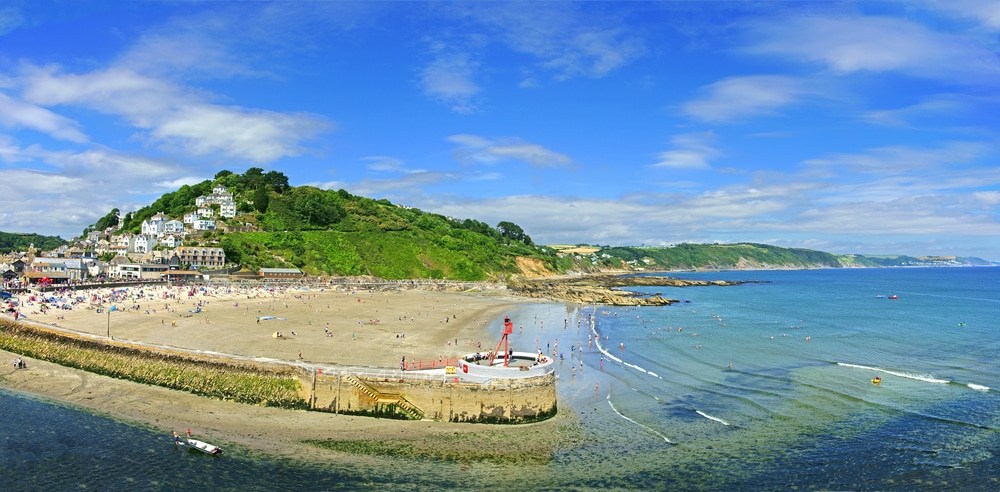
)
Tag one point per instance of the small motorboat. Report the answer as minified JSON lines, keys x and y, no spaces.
{"x":894,"y":296}
{"x":880,"y":296}
{"x":204,"y":447}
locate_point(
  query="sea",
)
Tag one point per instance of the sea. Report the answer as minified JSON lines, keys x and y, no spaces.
{"x":761,"y":386}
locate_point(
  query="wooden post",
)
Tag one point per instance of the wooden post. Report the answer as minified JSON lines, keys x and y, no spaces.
{"x":312,"y":402}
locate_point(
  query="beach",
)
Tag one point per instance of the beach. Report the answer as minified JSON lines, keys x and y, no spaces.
{"x":320,"y":326}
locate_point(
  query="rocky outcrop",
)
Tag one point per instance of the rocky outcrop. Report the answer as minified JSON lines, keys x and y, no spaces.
{"x":604,"y":289}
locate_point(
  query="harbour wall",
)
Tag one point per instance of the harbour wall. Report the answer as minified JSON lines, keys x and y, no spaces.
{"x":435,"y":397}
{"x":376,"y":392}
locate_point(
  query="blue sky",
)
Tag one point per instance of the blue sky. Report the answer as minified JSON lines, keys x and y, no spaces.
{"x":848,"y":127}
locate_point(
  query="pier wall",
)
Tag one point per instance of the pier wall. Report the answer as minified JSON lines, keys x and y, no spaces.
{"x":516,"y":400}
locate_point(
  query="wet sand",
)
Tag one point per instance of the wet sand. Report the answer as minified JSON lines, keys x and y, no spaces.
{"x":365,"y":329}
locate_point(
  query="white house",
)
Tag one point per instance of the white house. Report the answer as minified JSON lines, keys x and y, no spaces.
{"x":123,"y":242}
{"x":170,"y":241}
{"x":144,"y":244}
{"x":190,"y":217}
{"x":118,"y":249}
{"x":127,"y":270}
{"x":219,"y":195}
{"x":204,"y":225}
{"x":227,"y":209}
{"x":97,"y":268}
{"x":173,"y":227}
{"x":205,"y":212}
{"x":155,"y":224}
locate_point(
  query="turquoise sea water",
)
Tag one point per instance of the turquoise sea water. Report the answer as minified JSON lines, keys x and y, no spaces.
{"x":667,"y":411}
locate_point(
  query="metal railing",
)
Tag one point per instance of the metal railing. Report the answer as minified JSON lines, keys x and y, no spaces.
{"x":421,"y":365}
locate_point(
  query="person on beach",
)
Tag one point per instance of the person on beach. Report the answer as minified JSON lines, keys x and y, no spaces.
{"x":177,"y":439}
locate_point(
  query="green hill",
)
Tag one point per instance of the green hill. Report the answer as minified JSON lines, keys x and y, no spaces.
{"x":327,"y":232}
{"x":746,"y":256}
{"x":716,"y":256}
{"x":11,"y":241}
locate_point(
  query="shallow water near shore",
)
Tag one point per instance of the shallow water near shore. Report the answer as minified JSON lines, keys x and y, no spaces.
{"x":667,"y":410}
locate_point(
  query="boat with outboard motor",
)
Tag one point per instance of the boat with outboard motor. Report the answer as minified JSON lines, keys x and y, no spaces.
{"x":204,"y":447}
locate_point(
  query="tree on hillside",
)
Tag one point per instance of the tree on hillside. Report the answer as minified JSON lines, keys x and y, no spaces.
{"x":253,"y":178}
{"x":480,"y":227}
{"x":110,"y":220}
{"x":277,"y":181}
{"x":512,"y":232}
{"x":260,"y":199}
{"x":230,"y":180}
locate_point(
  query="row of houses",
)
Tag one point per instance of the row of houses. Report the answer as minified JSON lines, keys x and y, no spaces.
{"x":31,"y":269}
{"x":162,"y":231}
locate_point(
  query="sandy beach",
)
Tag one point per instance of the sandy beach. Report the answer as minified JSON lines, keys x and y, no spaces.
{"x":328,"y":326}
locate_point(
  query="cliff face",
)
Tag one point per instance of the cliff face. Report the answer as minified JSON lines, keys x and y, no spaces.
{"x":600,"y":289}
{"x":532,"y":267}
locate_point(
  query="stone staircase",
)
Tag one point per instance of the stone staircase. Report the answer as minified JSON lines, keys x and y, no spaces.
{"x":385,"y":399}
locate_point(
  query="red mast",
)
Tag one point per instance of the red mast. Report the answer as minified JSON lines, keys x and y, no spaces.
{"x":508,"y":328}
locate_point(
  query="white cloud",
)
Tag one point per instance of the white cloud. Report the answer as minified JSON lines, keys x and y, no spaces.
{"x":173,"y":117}
{"x":533,"y":154}
{"x":737,"y":98}
{"x":988,"y":198}
{"x":254,"y":135}
{"x":876,"y":44}
{"x":472,"y":141}
{"x":693,"y":150}
{"x":986,"y":12}
{"x":591,"y":53}
{"x":563,"y":39}
{"x":905,"y":159}
{"x":476,"y":149}
{"x":61,"y":192}
{"x":931,"y":108}
{"x":387,"y":164}
{"x":448,"y":78}
{"x":19,"y":114}
{"x":407,"y":184}
{"x":10,"y":19}
{"x":172,"y":53}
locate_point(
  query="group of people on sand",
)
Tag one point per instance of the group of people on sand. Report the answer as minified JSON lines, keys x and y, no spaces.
{"x":19,"y":363}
